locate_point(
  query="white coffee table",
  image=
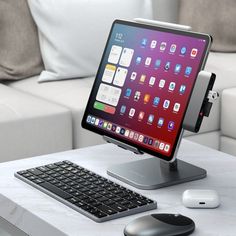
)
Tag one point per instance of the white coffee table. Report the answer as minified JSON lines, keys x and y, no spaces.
{"x":40,"y":215}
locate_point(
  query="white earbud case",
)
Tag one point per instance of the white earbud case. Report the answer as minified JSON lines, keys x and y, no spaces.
{"x":199,"y":198}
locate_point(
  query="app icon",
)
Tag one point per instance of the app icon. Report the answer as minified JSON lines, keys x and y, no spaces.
{"x":163,"y":46}
{"x":120,"y":76}
{"x":157,"y":63}
{"x":88,"y":120}
{"x":131,"y":112}
{"x":142,"y":79}
{"x":138,"y":60}
{"x":122,"y":109}
{"x":153,"y":44}
{"x":182,"y":89}
{"x":150,"y":141}
{"x":148,"y":61}
{"x":113,"y":128}
{"x":167,"y":65}
{"x":144,"y":42}
{"x":127,"y":133}
{"x":173,"y":48}
{"x":167,"y":148}
{"x":156,"y":144}
{"x":188,"y":70}
{"x":160,"y":122}
{"x":161,"y":146}
{"x":133,"y":75}
{"x":100,"y":124}
{"x":146,"y":98}
{"x":194,"y":52}
{"x":171,"y":125}
{"x":140,"y":138}
{"x":131,"y":134}
{"x":105,"y":125}
{"x":152,"y":80}
{"x":183,"y":50}
{"x":141,"y":115}
{"x":145,"y":140}
{"x":96,"y":121}
{"x":122,"y":131}
{"x":108,"y":73}
{"x":118,"y":129}
{"x":177,"y":68}
{"x":109,"y":126}
{"x":137,"y":95}
{"x":172,"y":86}
{"x":150,"y":118}
{"x":156,"y":101}
{"x":126,"y":57}
{"x":136,"y":136}
{"x":114,"y":54}
{"x":128,"y":92}
{"x":162,"y":83}
{"x":166,"y":104}
{"x":93,"y":120}
{"x":176,"y":107}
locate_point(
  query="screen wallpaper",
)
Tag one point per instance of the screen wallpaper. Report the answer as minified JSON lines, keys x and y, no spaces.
{"x":143,"y":85}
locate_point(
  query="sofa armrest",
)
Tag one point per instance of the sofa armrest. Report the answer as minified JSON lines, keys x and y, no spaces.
{"x":228,"y":112}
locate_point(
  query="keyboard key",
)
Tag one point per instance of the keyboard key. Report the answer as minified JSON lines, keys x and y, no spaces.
{"x":26,"y":175}
{"x":118,"y":208}
{"x":38,"y":181}
{"x":109,"y":202}
{"x":138,"y":202}
{"x":73,"y":200}
{"x":35,"y":171}
{"x":42,"y":168}
{"x":124,"y":203}
{"x":79,"y":204}
{"x":55,"y":190}
{"x":106,"y":209}
{"x":100,"y":214}
{"x":131,"y":206}
{"x":59,"y":163}
{"x":51,"y":166}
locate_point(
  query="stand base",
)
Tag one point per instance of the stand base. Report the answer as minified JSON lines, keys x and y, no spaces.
{"x":153,"y":173}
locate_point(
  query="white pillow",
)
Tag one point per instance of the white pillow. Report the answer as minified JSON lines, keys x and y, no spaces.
{"x":73,"y":33}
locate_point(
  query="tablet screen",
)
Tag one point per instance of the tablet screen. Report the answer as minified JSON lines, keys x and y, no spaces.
{"x":143,"y":85}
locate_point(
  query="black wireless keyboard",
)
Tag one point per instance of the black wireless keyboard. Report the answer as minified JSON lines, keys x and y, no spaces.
{"x":90,"y":194}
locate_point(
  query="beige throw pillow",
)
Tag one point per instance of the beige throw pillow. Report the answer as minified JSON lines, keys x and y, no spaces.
{"x":19,"y":47}
{"x":215,"y":17}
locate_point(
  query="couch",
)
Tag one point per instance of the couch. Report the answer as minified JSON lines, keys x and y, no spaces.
{"x":40,"y":118}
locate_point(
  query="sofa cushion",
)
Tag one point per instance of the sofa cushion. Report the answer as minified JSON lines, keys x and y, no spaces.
{"x":73,"y":34}
{"x":210,"y":139}
{"x":72,"y":94}
{"x":228,"y":145}
{"x":31,"y":126}
{"x":228,"y":113}
{"x":215,"y":17}
{"x":20,"y":56}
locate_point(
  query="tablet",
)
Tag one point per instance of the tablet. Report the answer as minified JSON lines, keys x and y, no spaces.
{"x":143,"y":86}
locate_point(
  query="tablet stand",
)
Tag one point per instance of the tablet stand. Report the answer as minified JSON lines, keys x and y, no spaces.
{"x":153,"y":173}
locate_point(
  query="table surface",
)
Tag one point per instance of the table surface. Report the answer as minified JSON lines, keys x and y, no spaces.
{"x":38,"y":214}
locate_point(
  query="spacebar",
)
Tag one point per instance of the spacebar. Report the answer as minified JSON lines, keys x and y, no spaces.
{"x":55,"y":190}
